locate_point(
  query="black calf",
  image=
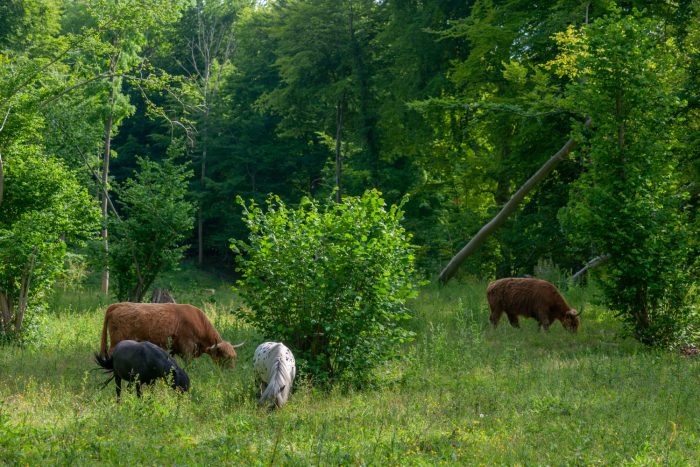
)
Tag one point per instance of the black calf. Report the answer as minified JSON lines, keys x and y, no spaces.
{"x":142,"y":363}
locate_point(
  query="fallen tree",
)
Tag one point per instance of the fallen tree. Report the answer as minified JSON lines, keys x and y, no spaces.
{"x":508,"y":208}
{"x":597,"y":261}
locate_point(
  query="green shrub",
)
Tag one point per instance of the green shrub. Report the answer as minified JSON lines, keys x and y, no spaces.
{"x":330,"y":281}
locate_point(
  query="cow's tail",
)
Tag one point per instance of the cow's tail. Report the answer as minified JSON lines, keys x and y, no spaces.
{"x":107,"y":364}
{"x":277,"y":390}
{"x":103,"y":341}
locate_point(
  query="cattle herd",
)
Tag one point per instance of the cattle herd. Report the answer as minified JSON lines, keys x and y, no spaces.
{"x":145,"y":336}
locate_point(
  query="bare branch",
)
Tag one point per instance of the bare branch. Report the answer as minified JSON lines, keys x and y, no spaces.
{"x":595,"y":262}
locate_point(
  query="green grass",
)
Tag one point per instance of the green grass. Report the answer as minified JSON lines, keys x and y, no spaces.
{"x":464,"y":394}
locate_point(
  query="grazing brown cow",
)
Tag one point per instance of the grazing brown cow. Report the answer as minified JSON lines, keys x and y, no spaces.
{"x":531,"y":298}
{"x":182,"y":329}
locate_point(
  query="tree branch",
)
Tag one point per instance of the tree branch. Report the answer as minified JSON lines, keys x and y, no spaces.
{"x":77,"y":85}
{"x":103,"y":188}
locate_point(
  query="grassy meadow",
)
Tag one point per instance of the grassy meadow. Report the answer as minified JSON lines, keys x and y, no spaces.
{"x":464,"y":394}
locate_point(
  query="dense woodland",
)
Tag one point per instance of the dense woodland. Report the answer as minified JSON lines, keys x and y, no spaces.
{"x":146,"y":119}
{"x":348,"y":177}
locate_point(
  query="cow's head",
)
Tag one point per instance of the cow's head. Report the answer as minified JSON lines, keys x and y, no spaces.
{"x":223,"y":353}
{"x":571,"y":320}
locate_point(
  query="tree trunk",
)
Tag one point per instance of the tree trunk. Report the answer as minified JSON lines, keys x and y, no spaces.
{"x":338,"y":154}
{"x":367,"y":117}
{"x":25,"y":284}
{"x":162,"y":296}
{"x":507,"y":209}
{"x":5,"y":313}
{"x":105,"y":180}
{"x":2,"y":180}
{"x":200,"y":220}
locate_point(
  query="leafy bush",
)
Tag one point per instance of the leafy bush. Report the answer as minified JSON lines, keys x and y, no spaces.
{"x":331,"y":282}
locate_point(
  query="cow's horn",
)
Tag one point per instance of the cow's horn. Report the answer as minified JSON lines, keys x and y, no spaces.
{"x":238,"y":345}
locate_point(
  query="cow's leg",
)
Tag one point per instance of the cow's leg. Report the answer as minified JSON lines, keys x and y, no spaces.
{"x":543,"y":320}
{"x":138,"y":389}
{"x":187,"y":350}
{"x":495,"y":316}
{"x":513,"y":320}
{"x":118,"y":382}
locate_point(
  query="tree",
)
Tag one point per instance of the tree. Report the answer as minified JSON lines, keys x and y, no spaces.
{"x":209,"y":45}
{"x":118,"y":36}
{"x":628,"y":203}
{"x":507,"y":209}
{"x":495,"y":119}
{"x":155,"y":220}
{"x":322,"y":54}
{"x":43,"y":207}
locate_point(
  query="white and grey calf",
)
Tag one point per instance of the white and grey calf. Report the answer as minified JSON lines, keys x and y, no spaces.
{"x":275,"y":367}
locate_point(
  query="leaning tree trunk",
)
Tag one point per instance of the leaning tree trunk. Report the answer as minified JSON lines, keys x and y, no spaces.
{"x":507,"y":209}
{"x":595,"y":262}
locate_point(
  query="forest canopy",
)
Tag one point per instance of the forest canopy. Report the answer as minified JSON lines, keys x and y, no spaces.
{"x":453,"y":105}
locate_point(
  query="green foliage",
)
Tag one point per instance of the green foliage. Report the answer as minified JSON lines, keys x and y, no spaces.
{"x":628,"y":203}
{"x":494,"y":122}
{"x":27,"y":23}
{"x":331,"y":282}
{"x":43,"y":207}
{"x":157,"y":220}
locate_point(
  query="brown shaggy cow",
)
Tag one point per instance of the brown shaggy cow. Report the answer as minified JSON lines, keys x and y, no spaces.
{"x":531,"y":298}
{"x":183,"y":329}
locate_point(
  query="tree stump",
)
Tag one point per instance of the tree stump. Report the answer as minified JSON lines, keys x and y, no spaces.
{"x":162,"y":296}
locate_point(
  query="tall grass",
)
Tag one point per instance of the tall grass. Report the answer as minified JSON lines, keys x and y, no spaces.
{"x":463,"y":394}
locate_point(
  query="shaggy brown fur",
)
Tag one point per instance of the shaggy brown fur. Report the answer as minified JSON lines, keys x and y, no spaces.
{"x":531,"y":298}
{"x":183,"y":329}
